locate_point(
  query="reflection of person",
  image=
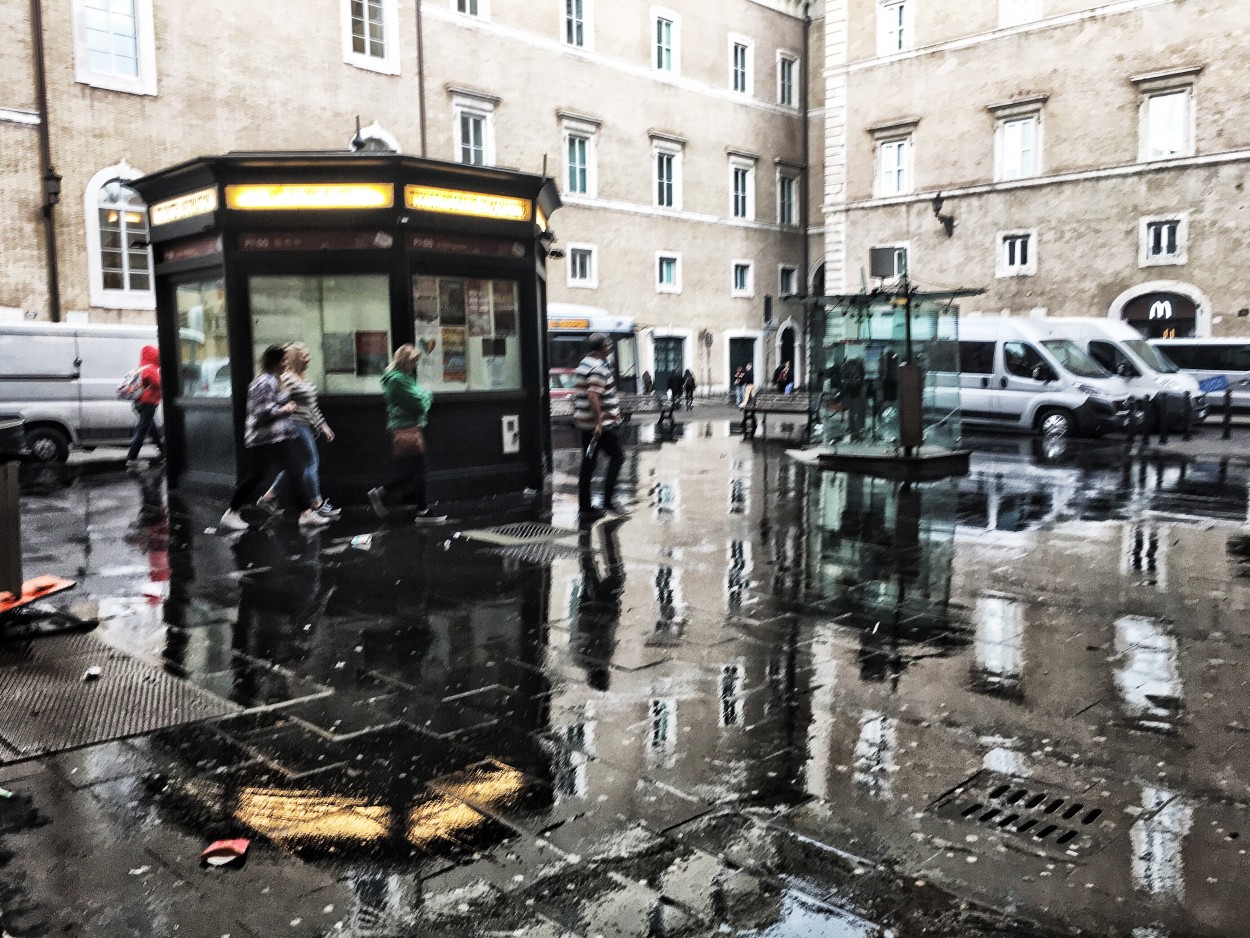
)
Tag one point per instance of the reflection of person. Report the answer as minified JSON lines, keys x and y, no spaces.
{"x":271,"y":440}
{"x":688,"y":385}
{"x":309,"y":424}
{"x":781,"y":378}
{"x":740,"y":385}
{"x":673,"y":387}
{"x":853,"y":396}
{"x":599,"y":605}
{"x":597,"y":413}
{"x":648,"y":385}
{"x":407,"y":415}
{"x":748,"y":382}
{"x":145,"y":407}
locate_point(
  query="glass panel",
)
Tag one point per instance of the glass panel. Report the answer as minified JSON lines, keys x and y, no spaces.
{"x":113,"y":280}
{"x":203,"y":351}
{"x":344,"y":320}
{"x":467,"y":331}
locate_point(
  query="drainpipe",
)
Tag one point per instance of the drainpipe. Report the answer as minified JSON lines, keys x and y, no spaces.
{"x":805,"y":191}
{"x":421,"y":74}
{"x":51,"y":181}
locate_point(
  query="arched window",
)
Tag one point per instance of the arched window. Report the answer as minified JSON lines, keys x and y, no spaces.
{"x":119,"y":259}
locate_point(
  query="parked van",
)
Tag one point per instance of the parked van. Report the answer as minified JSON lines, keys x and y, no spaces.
{"x":1025,"y":374}
{"x":62,"y":379}
{"x":1216,"y":364}
{"x":1124,"y":351}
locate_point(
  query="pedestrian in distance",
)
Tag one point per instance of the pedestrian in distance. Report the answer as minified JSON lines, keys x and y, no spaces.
{"x":648,"y":385}
{"x":740,"y":385}
{"x":782,"y":380}
{"x":272,"y":444}
{"x":145,"y":407}
{"x":310,"y":424}
{"x":407,"y":416}
{"x":597,"y":414}
{"x":688,"y":386}
{"x":674,"y":387}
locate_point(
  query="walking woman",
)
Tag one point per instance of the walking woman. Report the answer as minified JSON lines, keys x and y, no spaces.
{"x":407,"y":413}
{"x":309,"y":424}
{"x":272,"y":443}
{"x":145,"y":407}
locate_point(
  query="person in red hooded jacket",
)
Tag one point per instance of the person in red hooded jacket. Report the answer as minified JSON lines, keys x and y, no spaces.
{"x":145,"y":407}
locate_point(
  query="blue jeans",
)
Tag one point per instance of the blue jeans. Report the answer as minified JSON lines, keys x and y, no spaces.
{"x":310,"y":461}
{"x":145,"y":424}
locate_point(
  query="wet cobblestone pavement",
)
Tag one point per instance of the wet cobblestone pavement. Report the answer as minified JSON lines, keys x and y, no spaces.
{"x":773,"y":702}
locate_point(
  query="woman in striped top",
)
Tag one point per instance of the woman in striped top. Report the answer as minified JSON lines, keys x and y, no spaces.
{"x":309,"y":424}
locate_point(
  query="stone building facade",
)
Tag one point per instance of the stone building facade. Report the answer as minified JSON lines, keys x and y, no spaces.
{"x":1090,"y":157}
{"x":676,"y":134}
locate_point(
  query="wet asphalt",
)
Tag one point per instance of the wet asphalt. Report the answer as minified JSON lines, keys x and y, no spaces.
{"x":772,"y":702}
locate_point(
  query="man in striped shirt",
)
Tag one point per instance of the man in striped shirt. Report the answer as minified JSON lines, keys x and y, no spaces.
{"x":597,"y":413}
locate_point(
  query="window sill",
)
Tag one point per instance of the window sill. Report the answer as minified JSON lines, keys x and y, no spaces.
{"x":369,"y":64}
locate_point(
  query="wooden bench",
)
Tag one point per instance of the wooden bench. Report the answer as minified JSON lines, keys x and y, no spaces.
{"x":631,"y":404}
{"x":761,"y":404}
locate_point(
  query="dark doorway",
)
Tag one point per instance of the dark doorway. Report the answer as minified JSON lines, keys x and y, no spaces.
{"x":741,"y":354}
{"x":670,"y":358}
{"x":786,"y":353}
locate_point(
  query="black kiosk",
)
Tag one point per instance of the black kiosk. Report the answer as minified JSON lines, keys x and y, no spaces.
{"x":354,"y":254}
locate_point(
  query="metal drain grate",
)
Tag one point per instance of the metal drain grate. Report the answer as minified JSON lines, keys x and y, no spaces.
{"x":535,"y":553}
{"x":1038,"y":817}
{"x":519,"y":535}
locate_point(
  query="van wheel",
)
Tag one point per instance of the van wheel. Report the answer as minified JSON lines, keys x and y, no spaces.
{"x":47,"y":444}
{"x":1055,"y":424}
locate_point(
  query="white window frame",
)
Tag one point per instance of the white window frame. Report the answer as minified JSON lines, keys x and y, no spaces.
{"x":902,"y":251}
{"x":1180,"y":82}
{"x":99,"y":295}
{"x":587,"y":129}
{"x":675,"y":286}
{"x":483,"y":9}
{"x":746,"y":165}
{"x":388,"y":62}
{"x":1144,"y":258}
{"x":897,"y":185}
{"x":748,"y":65}
{"x":896,"y":26}
{"x":591,"y":281}
{"x":1019,"y":111}
{"x":673,"y":148}
{"x":792,"y":177}
{"x":784,"y":55}
{"x":1018,"y":12}
{"x":657,"y":14}
{"x":588,"y":25}
{"x":793,"y":270}
{"x":471,"y":104}
{"x":1027,"y":269}
{"x":747,"y":291}
{"x":145,"y":48}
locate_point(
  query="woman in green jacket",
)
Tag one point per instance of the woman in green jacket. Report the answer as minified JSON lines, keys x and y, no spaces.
{"x":407,"y":410}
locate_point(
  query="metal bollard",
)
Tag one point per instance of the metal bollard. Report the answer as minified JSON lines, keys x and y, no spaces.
{"x":1228,"y":413}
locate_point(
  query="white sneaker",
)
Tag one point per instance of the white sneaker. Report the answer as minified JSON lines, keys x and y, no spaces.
{"x":313,"y":518}
{"x":325,"y":508}
{"x":233,"y":521}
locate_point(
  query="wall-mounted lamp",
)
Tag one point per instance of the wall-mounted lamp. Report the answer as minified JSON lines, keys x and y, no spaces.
{"x":548,"y":239}
{"x":948,"y":221}
{"x":51,"y":188}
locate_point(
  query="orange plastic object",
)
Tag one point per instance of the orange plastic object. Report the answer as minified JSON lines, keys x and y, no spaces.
{"x":34,"y":589}
{"x":221,"y":852}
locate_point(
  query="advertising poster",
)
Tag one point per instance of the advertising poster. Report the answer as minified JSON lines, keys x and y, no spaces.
{"x":451,"y":302}
{"x":339,"y":350}
{"x":428,"y":337}
{"x":425,"y":299}
{"x":505,"y":307}
{"x":477,"y":307}
{"x":372,"y":352}
{"x":455,"y":361}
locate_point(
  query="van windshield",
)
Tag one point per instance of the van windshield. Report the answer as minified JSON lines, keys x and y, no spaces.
{"x":1151,"y":356}
{"x":1074,"y":360}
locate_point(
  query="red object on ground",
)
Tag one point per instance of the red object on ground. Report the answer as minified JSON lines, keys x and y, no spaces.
{"x":221,"y":852}
{"x":36,"y":588}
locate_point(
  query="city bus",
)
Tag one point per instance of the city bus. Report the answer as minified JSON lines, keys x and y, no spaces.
{"x":569,"y":327}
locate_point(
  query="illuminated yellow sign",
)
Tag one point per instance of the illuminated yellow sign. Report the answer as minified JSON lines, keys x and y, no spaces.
{"x":568,"y":323}
{"x":334,"y":195}
{"x":202,"y":202}
{"x":458,"y":202}
{"x":542,"y":219}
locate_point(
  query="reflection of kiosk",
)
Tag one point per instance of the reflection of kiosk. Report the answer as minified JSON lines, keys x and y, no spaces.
{"x":355,"y":254}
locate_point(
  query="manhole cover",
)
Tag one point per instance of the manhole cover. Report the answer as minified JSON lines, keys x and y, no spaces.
{"x":1040,"y":818}
{"x":519,"y":535}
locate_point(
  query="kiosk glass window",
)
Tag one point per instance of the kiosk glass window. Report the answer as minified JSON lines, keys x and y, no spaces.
{"x":344,"y":320}
{"x":203,"y":350}
{"x":467,"y":331}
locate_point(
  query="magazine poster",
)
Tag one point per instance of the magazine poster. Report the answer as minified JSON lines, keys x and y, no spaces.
{"x":425,"y":299}
{"x":428,"y":339}
{"x":372,"y":352}
{"x":505,"y":307}
{"x":477,"y":307}
{"x":455,"y":365}
{"x":451,"y":302}
{"x":339,"y":351}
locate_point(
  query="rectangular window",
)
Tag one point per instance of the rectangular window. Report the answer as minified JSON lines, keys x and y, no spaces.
{"x":1168,"y":125}
{"x":893,"y":167}
{"x":1018,"y":153}
{"x":667,"y":273}
{"x":203,"y":349}
{"x":469,"y":7}
{"x":583,"y":271}
{"x":575,"y":22}
{"x":1161,"y":238}
{"x":369,"y":40}
{"x":469,"y":327}
{"x":740,"y":177}
{"x":664,"y":179}
{"x":894,"y":26}
{"x":472,"y":139}
{"x":787,"y":187}
{"x":345,"y":320}
{"x":787,"y":281}
{"x":577,"y":164}
{"x":743,"y":279}
{"x":124,"y":247}
{"x":115,"y":45}
{"x":368,"y":28}
{"x":785,"y":81}
{"x":1017,"y":254}
{"x":663,"y":44}
{"x":738,"y":68}
{"x":1164,"y":241}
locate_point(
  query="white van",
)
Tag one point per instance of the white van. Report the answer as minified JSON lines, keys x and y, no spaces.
{"x":1216,"y":364}
{"x":62,"y":378}
{"x":1124,"y":351}
{"x":1024,"y":374}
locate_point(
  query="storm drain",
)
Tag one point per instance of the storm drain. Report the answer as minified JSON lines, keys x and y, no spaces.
{"x":519,"y":535}
{"x":46,"y":706}
{"x":1037,"y":817}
